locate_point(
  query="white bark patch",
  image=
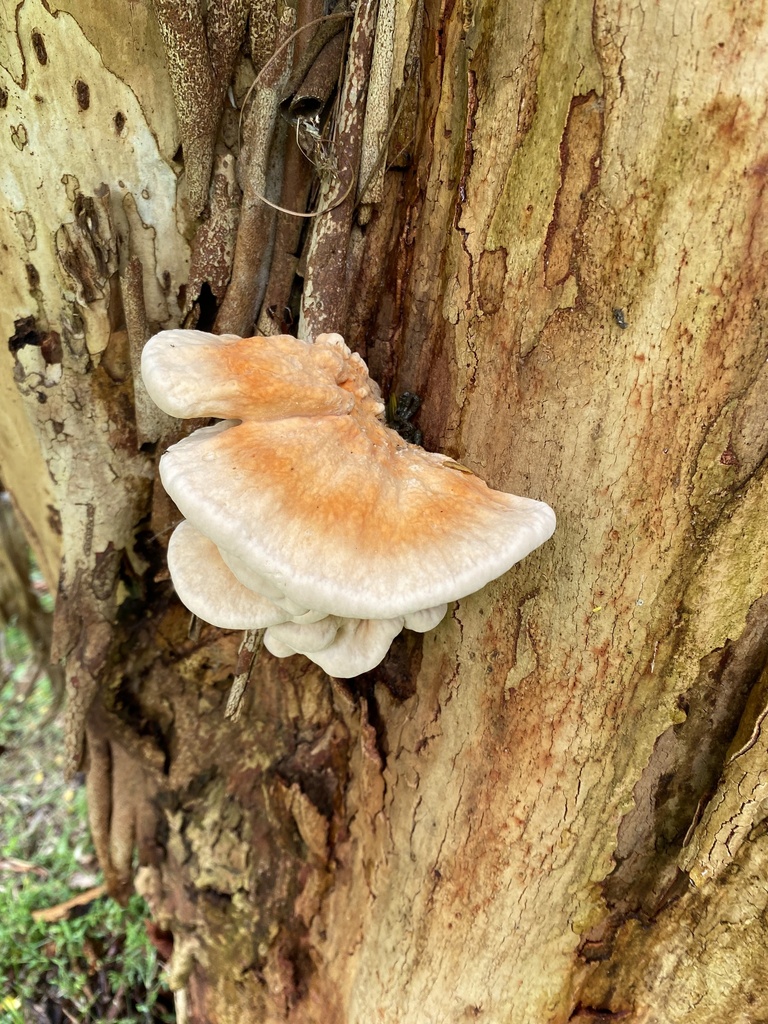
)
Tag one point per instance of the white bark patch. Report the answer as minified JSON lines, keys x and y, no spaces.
{"x":82,"y":128}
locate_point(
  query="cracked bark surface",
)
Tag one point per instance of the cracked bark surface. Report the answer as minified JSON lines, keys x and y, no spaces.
{"x":552,"y":807}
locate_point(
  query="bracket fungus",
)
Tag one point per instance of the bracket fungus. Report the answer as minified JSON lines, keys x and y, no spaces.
{"x":305,"y":515}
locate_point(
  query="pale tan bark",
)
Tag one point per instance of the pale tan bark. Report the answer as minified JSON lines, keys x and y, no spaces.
{"x":553,"y":809}
{"x":610,"y":159}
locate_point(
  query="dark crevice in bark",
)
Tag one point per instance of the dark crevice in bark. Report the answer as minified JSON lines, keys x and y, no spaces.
{"x":596,"y":1015}
{"x":399,"y":670}
{"x":25,"y":333}
{"x":319,"y":767}
{"x":680,"y":777}
{"x":207,"y":308}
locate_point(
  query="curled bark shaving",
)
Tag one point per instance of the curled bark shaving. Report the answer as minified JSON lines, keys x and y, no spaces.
{"x":310,"y":134}
{"x":262,"y":31}
{"x":311,"y":97}
{"x":391,"y":107}
{"x":254,"y":236}
{"x":214,"y":246}
{"x":370,"y":239}
{"x":326,"y":298}
{"x":276,"y":316}
{"x":322,"y":35}
{"x":225,"y":28}
{"x":375,"y":128}
{"x":194,"y":90}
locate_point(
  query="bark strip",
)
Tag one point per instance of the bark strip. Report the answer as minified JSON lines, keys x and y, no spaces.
{"x":325,"y":300}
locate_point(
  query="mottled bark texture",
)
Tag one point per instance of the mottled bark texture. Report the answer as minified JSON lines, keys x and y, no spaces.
{"x":553,"y":807}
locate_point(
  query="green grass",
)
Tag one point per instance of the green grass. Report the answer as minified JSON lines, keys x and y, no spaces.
{"x":98,"y":964}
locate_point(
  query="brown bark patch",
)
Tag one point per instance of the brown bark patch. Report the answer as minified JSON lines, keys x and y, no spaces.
{"x":579,"y":170}
{"x":492,"y":272}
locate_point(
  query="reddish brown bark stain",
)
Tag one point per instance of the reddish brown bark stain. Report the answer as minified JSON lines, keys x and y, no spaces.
{"x":491,"y":274}
{"x":579,"y":151}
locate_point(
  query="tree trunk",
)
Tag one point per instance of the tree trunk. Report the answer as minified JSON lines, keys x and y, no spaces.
{"x":552,"y":808}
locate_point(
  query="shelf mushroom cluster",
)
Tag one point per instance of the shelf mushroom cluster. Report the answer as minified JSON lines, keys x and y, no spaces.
{"x":305,"y":515}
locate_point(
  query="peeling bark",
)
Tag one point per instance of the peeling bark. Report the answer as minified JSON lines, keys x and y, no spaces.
{"x":325,"y":298}
{"x":253,"y":248}
{"x":195,"y":90}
